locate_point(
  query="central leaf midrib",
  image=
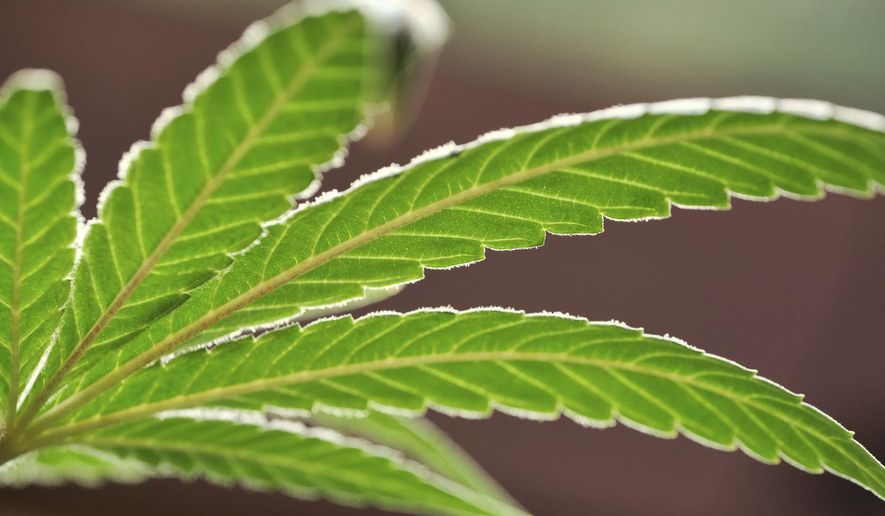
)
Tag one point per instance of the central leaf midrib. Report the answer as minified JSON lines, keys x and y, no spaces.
{"x":302,"y":377}
{"x":187,"y":217}
{"x":319,"y":259}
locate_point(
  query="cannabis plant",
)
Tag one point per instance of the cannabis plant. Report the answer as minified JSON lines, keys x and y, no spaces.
{"x":198,"y":326}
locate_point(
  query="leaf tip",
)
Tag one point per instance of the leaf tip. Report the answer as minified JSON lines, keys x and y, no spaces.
{"x":34,"y":79}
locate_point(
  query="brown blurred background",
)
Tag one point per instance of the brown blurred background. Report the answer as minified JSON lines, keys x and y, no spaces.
{"x":790,"y":288}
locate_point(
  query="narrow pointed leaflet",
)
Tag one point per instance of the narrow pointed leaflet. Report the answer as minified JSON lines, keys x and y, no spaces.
{"x":253,"y":132}
{"x":507,"y":190}
{"x":38,"y":224}
{"x":470,"y":362}
{"x":297,"y":460}
{"x":289,"y":459}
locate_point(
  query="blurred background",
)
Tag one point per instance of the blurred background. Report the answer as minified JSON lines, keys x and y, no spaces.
{"x":796,"y":290}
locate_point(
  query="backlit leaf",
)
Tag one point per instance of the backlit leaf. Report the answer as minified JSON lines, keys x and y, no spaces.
{"x":39,"y":188}
{"x":286,"y":458}
{"x":467,"y":363}
{"x":507,"y":190}
{"x":253,"y":133}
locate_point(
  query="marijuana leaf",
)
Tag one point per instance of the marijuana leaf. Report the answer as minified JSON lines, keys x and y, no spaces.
{"x":532,"y":366}
{"x":505,"y":191}
{"x":39,"y":180}
{"x":253,"y":132}
{"x":181,"y":348}
{"x":288,"y":458}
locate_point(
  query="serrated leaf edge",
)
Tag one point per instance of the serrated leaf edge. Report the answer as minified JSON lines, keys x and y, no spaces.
{"x":40,"y":79}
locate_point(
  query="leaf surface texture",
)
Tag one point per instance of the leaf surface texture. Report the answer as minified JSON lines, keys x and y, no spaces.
{"x":38,"y":198}
{"x":507,"y":192}
{"x":218,"y":167}
{"x":532,"y":366}
{"x":288,"y":460}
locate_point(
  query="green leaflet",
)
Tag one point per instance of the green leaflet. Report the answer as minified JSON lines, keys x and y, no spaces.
{"x":307,"y":462}
{"x":308,"y":467}
{"x":79,"y":464}
{"x":228,"y":160}
{"x":420,"y":440}
{"x":505,"y":191}
{"x":39,"y":187}
{"x":466,"y":363}
{"x":286,"y":458}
